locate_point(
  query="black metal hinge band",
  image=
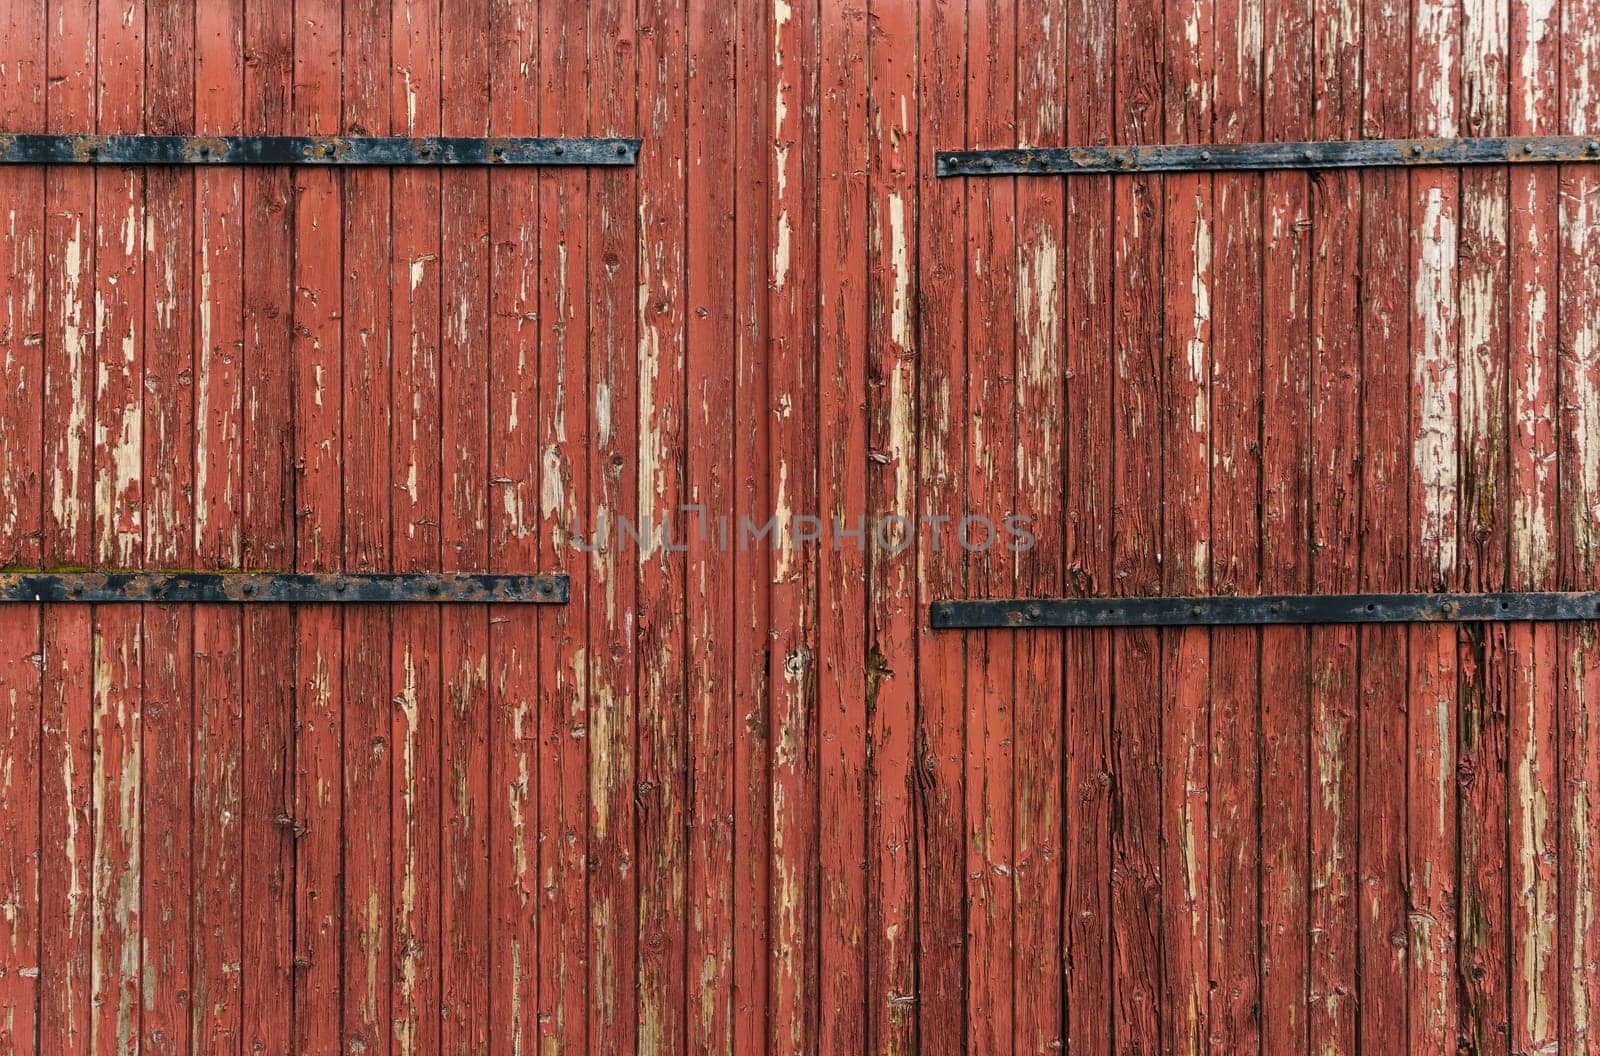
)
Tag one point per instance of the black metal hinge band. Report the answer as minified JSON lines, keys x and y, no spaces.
{"x":1259,"y":157}
{"x":282,"y":587}
{"x":1023,"y":613}
{"x":28,"y":149}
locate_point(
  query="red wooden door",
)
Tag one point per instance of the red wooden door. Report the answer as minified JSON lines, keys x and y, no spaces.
{"x":738,"y":794}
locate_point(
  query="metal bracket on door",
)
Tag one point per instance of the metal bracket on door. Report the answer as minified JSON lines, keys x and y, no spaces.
{"x":1023,"y":613}
{"x":1259,"y":157}
{"x":282,"y":587}
{"x":19,"y":149}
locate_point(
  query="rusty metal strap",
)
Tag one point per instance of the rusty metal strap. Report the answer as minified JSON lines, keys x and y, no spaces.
{"x":311,"y":588}
{"x":313,"y":150}
{"x":1023,"y":613}
{"x":1258,"y":157}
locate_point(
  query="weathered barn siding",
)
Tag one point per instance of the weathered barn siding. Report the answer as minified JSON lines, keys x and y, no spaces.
{"x":737,"y":798}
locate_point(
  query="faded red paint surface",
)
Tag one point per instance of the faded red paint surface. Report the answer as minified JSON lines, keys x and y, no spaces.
{"x":736,"y":798}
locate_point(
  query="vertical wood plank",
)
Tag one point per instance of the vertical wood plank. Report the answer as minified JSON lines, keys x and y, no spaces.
{"x":23,"y":61}
{"x":367,"y":485}
{"x":1535,"y":527}
{"x":893,"y":613}
{"x":792,"y":406}
{"x":1039,"y":799}
{"x":1334,"y":525}
{"x":167,"y":240}
{"x":1431,"y":794}
{"x":22,"y":99}
{"x":464,"y":661}
{"x":1382,"y":927}
{"x":21,"y":812}
{"x":1482,"y":705}
{"x":1090,"y":302}
{"x":116,"y":690}
{"x":1285,"y":564}
{"x":267,"y":531}
{"x":1136,"y":870}
{"x":218,"y":341}
{"x":613,"y":308}
{"x":116,"y":696}
{"x":220,"y":817}
{"x":119,"y":297}
{"x":709,"y":409}
{"x":317,"y":353}
{"x":1578,"y":342}
{"x":563,"y":468}
{"x":415,"y":677}
{"x":941,"y":467}
{"x":991,"y":454}
{"x":516,"y":890}
{"x":219,"y":255}
{"x":66,"y":833}
{"x":168,"y":455}
{"x":216,"y":996}
{"x":751,"y":993}
{"x":70,"y":100}
{"x":1236,"y":387}
{"x":1185,"y":419}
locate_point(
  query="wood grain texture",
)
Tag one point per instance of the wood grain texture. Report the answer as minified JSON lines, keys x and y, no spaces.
{"x":1089,"y":790}
{"x":738,"y":795}
{"x":1533,"y":529}
{"x":22,"y":687}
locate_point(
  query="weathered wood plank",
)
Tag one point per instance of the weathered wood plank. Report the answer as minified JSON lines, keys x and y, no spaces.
{"x":1286,"y":560}
{"x":1333,"y":527}
{"x":116,"y":689}
{"x":1382,"y":926}
{"x":989,"y":361}
{"x":793,"y":664}
{"x":415,"y":267}
{"x":367,"y":421}
{"x":22,"y":779}
{"x":1483,"y":310}
{"x":1088,"y":365}
{"x":68,"y":346}
{"x":22,"y":853}
{"x":516,"y":889}
{"x":415,"y":677}
{"x":613,"y":317}
{"x":1578,"y":424}
{"x":1534,"y":523}
{"x":1188,"y":204}
{"x":709,"y":412}
{"x":167,"y":456}
{"x":317,"y":351}
{"x":1435,"y":517}
{"x":1139,"y":1011}
{"x":892,"y":73}
{"x":464,"y":529}
{"x":268,"y":533}
{"x":750,"y":992}
{"x":66,"y":833}
{"x":1235,"y":384}
{"x":23,"y":62}
{"x":563,"y":478}
{"x":941,"y":467}
{"x":1039,"y":797}
{"x":215,"y":343}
